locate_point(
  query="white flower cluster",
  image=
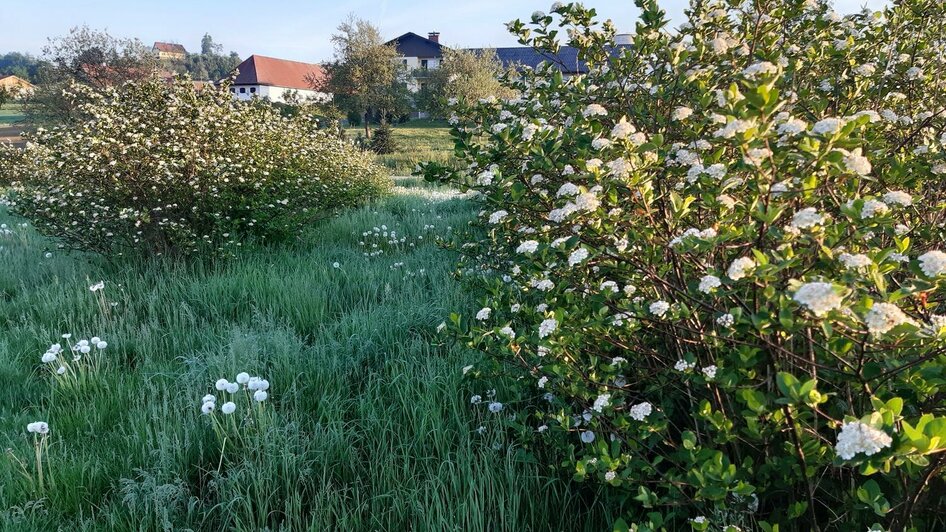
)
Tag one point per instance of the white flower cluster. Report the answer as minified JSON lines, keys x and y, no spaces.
{"x":253,"y":387}
{"x":72,"y":359}
{"x":856,"y":437}
{"x":819,"y":297}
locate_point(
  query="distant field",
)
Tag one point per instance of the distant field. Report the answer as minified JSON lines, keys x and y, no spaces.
{"x":11,"y":113}
{"x":417,"y":141}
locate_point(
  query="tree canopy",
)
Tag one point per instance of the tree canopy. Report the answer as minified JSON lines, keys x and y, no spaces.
{"x":365,"y":76}
{"x":463,"y":75}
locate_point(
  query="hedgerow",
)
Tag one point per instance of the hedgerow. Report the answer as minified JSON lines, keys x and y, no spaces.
{"x":713,"y":266}
{"x":161,"y":168}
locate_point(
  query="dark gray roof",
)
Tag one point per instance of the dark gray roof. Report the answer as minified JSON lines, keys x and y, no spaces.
{"x":522,"y":56}
{"x":413,"y":45}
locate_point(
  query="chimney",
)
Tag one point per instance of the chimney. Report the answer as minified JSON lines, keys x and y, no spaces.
{"x":434,"y":36}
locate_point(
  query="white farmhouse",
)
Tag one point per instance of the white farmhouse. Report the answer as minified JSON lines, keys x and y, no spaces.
{"x":418,"y":55}
{"x":278,"y":80}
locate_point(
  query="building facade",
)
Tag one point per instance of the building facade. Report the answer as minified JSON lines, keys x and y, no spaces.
{"x":278,"y":80}
{"x":418,"y":55}
{"x":167,"y":50}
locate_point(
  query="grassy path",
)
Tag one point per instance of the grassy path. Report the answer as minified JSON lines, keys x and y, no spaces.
{"x":372,"y":427}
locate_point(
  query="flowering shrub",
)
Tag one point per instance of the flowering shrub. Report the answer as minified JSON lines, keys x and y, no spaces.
{"x":164,"y":168}
{"x":713,"y":266}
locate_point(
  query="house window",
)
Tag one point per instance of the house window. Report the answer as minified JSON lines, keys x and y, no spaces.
{"x":253,"y":89}
{"x":242,"y":90}
{"x":423,"y":64}
{"x":404,"y":61}
{"x":233,"y":89}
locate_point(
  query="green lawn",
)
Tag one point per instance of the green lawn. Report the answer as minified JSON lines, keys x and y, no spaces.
{"x":370,"y":426}
{"x":11,"y":113}
{"x":417,"y":141}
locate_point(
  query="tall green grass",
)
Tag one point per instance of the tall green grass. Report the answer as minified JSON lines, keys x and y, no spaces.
{"x":417,"y":141}
{"x":372,"y":426}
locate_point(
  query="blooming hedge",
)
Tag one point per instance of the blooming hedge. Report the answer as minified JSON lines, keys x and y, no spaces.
{"x":713,"y":266}
{"x":166,"y":169}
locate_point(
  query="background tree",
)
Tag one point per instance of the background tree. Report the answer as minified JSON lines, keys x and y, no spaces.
{"x":21,"y":65}
{"x":209,"y":47}
{"x":87,"y":57}
{"x":464,"y":75}
{"x":5,"y":96}
{"x":365,"y":76}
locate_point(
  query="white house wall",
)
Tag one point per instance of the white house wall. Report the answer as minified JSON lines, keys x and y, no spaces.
{"x":277,"y":94}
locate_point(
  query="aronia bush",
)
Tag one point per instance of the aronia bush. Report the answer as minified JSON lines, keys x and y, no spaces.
{"x":162,"y":168}
{"x":713,"y":266}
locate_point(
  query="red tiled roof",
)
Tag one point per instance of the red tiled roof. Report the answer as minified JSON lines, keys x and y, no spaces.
{"x":168,"y":47}
{"x":261,"y":70}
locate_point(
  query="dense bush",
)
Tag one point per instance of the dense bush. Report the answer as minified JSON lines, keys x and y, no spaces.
{"x":713,"y":267}
{"x":165,"y":168}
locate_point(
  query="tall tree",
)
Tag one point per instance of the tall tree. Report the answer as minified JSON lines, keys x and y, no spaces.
{"x":21,"y":65}
{"x":466,"y":75}
{"x":365,"y":76}
{"x":209,"y":47}
{"x":88,"y":57}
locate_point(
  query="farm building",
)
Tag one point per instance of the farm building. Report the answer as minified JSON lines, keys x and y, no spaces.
{"x":277,"y":79}
{"x":420,"y":54}
{"x":17,"y":86}
{"x":167,"y":50}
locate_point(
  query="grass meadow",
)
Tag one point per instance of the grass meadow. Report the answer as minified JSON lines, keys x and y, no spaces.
{"x":11,"y":113}
{"x":370,"y":426}
{"x":417,"y":141}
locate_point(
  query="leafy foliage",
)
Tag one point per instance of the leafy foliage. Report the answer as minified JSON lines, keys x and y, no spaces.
{"x":463,"y":74}
{"x":87,"y":57}
{"x":712,"y":266}
{"x":365,"y":76}
{"x":21,"y":65}
{"x":159,"y":168}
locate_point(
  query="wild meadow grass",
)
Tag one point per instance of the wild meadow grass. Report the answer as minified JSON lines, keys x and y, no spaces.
{"x":367,"y":422}
{"x":417,"y":141}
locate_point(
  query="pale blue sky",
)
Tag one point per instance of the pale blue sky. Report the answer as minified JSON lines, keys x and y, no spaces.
{"x":291,"y":29}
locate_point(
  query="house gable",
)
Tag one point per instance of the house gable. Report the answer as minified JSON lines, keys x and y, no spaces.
{"x":413,"y":45}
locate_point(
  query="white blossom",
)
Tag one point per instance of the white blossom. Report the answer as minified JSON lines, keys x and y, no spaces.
{"x":933,"y":263}
{"x":806,"y":218}
{"x":709,"y":283}
{"x":882,"y":317}
{"x":640,"y":411}
{"x":547,"y":327}
{"x":659,"y":308}
{"x":528,"y":247}
{"x":856,"y":437}
{"x":819,"y":297}
{"x":740,"y":268}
